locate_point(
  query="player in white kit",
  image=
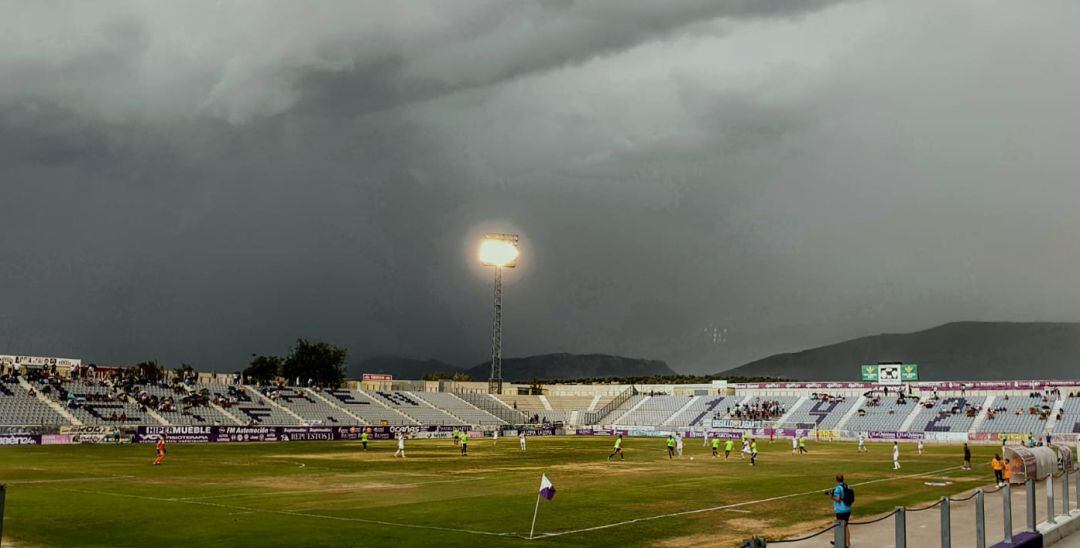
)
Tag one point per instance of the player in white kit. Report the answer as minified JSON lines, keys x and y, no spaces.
{"x":521,"y":439}
{"x":895,"y":456}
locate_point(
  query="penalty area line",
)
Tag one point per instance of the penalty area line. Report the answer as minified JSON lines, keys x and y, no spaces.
{"x":725,"y":506}
{"x":66,"y":480}
{"x":299,"y":514}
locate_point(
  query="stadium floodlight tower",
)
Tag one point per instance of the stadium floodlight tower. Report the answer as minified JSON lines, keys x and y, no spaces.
{"x":498,"y":251}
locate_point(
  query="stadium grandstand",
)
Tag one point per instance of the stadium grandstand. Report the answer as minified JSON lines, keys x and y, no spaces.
{"x":949,"y":411}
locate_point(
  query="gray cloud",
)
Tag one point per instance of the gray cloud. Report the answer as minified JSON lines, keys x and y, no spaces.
{"x":199,"y":182}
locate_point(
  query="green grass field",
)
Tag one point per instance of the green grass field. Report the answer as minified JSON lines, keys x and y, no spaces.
{"x":333,"y":494}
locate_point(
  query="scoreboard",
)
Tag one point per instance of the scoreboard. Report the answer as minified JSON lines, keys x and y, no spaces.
{"x":890,"y":373}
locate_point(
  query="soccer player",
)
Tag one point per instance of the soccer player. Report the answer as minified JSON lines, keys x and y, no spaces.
{"x":895,"y":456}
{"x":495,"y":436}
{"x":678,"y":444}
{"x":363,"y":439}
{"x":715,"y":447}
{"x":400,"y":445}
{"x":802,"y":445}
{"x":463,"y":437}
{"x":795,"y":443}
{"x":728,"y":445}
{"x":670,"y":446}
{"x":745,"y":447}
{"x":862,"y":442}
{"x":457,"y":436}
{"x":753,"y":452}
{"x":967,"y":457}
{"x":521,"y":439}
{"x":618,"y":449}
{"x":920,"y":448}
{"x":160,"y":450}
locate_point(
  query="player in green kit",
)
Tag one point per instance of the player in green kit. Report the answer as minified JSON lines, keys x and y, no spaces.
{"x":618,"y":449}
{"x":463,"y":437}
{"x":456,"y":436}
{"x":753,"y":452}
{"x":670,"y":447}
{"x":715,"y":447}
{"x":363,"y":439}
{"x":728,"y":445}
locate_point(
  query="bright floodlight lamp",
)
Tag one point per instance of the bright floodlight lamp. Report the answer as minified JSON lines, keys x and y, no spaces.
{"x":499,"y":251}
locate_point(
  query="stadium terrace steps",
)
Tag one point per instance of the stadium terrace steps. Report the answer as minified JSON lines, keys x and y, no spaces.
{"x":630,"y":406}
{"x":824,"y":413}
{"x":1015,"y":415}
{"x":1051,"y":421}
{"x":1070,"y":417}
{"x":19,"y":408}
{"x":910,"y":419}
{"x":366,"y":408}
{"x":593,"y":403}
{"x":710,"y":409}
{"x":882,"y":414}
{"x":690,"y":407}
{"x":859,"y":402}
{"x":544,"y":401}
{"x":51,"y":404}
{"x":793,"y":408}
{"x":940,"y":416}
{"x":654,"y":410}
{"x":315,"y":394}
{"x":464,"y":411}
{"x":259,"y":397}
{"x":983,"y":413}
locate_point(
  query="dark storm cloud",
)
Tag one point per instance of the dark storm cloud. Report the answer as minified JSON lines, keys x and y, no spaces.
{"x":197,"y":182}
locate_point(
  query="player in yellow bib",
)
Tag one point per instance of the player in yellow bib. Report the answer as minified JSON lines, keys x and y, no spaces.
{"x":715,"y":447}
{"x":618,"y":449}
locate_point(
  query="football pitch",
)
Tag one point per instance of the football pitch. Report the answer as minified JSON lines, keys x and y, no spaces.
{"x":334,"y":494}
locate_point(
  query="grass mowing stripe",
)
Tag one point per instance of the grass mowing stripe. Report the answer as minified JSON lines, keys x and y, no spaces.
{"x":358,"y":487}
{"x":726,"y":506}
{"x":299,"y":514}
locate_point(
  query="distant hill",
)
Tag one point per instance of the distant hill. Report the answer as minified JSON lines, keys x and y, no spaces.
{"x":545,"y":366}
{"x":953,"y":351}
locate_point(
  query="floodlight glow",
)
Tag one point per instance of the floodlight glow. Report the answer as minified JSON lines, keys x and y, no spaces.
{"x":498,"y":252}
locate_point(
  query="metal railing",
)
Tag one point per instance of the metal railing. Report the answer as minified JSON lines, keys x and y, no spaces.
{"x":594,"y":417}
{"x":899,"y":515}
{"x":483,"y":401}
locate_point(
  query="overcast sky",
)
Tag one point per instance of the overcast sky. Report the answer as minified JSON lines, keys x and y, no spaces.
{"x":199,"y":181}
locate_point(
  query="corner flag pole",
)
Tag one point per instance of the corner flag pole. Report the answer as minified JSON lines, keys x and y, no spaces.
{"x":537,"y":509}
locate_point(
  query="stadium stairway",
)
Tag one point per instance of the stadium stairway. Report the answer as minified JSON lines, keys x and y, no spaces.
{"x":574,"y":416}
{"x":547,"y":405}
{"x":271,"y":403}
{"x":631,"y":410}
{"x":859,"y":403}
{"x":592,"y":404}
{"x":1051,"y":421}
{"x":154,"y":415}
{"x":55,"y":406}
{"x":981,"y":417}
{"x":679,"y":411}
{"x":378,"y":401}
{"x":222,"y":410}
{"x":315,"y":394}
{"x":795,"y":407}
{"x":906,"y":425}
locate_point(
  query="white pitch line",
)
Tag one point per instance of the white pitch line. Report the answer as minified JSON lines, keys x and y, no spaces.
{"x":725,"y":507}
{"x":299,"y":514}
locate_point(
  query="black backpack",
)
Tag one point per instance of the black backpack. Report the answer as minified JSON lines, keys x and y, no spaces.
{"x":849,"y":495}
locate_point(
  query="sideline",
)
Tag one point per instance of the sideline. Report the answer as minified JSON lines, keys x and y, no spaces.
{"x":728,"y":506}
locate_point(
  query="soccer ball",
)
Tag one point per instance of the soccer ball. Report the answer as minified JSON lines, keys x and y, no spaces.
{"x":691,"y":458}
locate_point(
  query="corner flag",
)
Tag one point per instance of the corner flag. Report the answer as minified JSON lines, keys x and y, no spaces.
{"x":547,"y":489}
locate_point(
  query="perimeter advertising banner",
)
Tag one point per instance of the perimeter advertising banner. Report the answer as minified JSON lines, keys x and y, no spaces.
{"x":208,"y":434}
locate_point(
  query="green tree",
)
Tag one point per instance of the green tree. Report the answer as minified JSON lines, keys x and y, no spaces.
{"x":263,"y":369}
{"x":322,"y":362}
